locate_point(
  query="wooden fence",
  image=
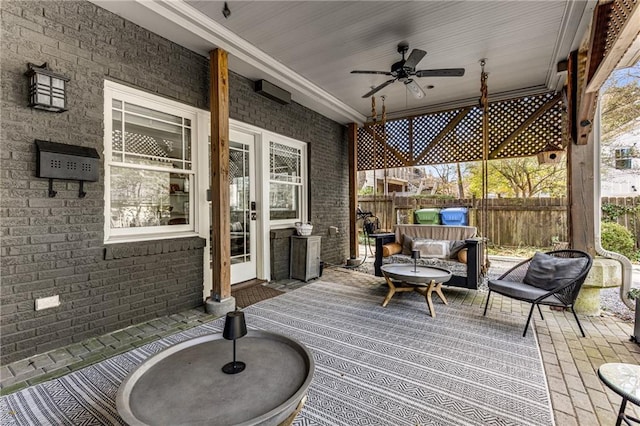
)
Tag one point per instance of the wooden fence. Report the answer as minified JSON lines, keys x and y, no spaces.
{"x":511,"y":222}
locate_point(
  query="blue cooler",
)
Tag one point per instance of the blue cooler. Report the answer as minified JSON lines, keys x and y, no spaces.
{"x":427,"y":216}
{"x":454,"y":216}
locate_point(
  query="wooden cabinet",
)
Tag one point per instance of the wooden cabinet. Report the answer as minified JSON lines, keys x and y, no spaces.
{"x":305,"y":257}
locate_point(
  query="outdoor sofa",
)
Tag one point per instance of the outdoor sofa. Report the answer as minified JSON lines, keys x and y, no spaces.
{"x":456,"y":248}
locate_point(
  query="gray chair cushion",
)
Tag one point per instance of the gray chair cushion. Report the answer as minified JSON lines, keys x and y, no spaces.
{"x":522,"y":291}
{"x":549,"y":272}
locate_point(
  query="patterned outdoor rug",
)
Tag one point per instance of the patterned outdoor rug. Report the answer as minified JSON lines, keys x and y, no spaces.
{"x":374,"y":365}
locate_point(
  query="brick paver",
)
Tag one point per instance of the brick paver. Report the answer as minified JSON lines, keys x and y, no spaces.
{"x":578,"y":397}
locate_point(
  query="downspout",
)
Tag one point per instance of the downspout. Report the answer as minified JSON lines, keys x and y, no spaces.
{"x":627,"y":271}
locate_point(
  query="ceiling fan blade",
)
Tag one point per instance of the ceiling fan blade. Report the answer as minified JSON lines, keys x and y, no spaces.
{"x":370,"y":72}
{"x":445,"y":72}
{"x":376,"y":89}
{"x":415,"y":57}
{"x":414,"y":88}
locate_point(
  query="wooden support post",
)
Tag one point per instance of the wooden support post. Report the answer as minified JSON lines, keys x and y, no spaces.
{"x":220,"y":222}
{"x":581,"y":196}
{"x":353,"y":189}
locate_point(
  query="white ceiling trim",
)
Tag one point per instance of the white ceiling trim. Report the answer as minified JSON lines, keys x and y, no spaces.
{"x":303,"y":91}
{"x":575,"y":15}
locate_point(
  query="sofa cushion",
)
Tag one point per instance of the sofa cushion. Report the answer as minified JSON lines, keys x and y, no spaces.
{"x":391,"y":249}
{"x":431,"y":248}
{"x":455,"y":247}
{"x":549,"y":272}
{"x":407,"y":244}
{"x":462,"y":255}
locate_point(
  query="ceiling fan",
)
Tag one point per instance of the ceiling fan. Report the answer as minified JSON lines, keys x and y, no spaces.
{"x":405,"y":69}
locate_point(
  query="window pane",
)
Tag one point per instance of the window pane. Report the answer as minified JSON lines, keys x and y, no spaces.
{"x":284,"y":201}
{"x":187,"y":144}
{"x":152,"y":138}
{"x":116,"y":135}
{"x":150,"y":113}
{"x":148,"y":198}
{"x":284,"y":163}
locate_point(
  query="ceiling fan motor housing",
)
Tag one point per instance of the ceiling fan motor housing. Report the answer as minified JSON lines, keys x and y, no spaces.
{"x":404,"y":69}
{"x":398,"y":66}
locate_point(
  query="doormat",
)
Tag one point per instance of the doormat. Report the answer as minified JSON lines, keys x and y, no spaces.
{"x":249,"y":295}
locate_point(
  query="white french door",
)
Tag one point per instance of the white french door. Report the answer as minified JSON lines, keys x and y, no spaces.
{"x":242,"y":202}
{"x":244,"y":241}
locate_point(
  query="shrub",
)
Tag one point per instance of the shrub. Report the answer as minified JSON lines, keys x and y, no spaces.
{"x":619,"y":239}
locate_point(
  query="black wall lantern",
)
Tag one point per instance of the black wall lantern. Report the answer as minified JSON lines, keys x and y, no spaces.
{"x":47,"y":90}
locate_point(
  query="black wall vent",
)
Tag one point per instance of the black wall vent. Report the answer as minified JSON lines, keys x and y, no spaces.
{"x":69,"y":162}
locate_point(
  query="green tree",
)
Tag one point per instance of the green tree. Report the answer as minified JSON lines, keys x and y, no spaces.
{"x":520,"y":178}
{"x":620,"y":100}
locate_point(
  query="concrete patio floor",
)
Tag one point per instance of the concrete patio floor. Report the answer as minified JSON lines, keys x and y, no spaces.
{"x":571,"y":361}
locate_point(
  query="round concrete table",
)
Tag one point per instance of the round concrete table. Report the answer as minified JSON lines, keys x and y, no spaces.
{"x":423,"y":279}
{"x":184,"y":384}
{"x":623,"y":379}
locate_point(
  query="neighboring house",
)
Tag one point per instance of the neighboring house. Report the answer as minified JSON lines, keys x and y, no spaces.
{"x":406,"y":180}
{"x":136,"y":246}
{"x":620,"y":170}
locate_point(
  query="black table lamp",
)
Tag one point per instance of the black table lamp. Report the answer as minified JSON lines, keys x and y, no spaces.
{"x":415,"y":255}
{"x":234,"y":328}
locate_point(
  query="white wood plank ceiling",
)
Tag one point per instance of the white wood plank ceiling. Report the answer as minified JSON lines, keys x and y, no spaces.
{"x":310,"y":47}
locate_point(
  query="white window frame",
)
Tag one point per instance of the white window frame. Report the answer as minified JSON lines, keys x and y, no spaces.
{"x":124,"y":93}
{"x":304,"y":181}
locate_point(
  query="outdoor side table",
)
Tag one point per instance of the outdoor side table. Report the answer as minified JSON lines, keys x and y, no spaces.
{"x":623,"y":379}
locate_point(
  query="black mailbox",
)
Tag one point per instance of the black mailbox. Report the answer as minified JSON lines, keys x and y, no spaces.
{"x":70,"y":162}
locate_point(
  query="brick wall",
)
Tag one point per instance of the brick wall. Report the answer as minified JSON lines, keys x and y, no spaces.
{"x":55,"y":245}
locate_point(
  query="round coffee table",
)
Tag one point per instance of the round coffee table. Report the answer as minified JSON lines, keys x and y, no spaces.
{"x":422,"y":279}
{"x":184,"y":384}
{"x":623,"y":379}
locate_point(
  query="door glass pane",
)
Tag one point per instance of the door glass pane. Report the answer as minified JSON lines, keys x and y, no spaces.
{"x":239,"y":202}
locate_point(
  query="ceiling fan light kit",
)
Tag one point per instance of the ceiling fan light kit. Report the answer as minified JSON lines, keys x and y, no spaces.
{"x":405,"y":69}
{"x":414,"y":88}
